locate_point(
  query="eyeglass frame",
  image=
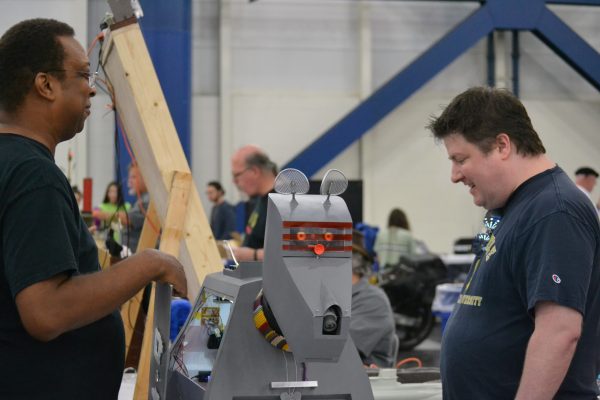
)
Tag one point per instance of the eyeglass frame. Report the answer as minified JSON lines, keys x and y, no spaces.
{"x":238,"y":174}
{"x":90,"y":76}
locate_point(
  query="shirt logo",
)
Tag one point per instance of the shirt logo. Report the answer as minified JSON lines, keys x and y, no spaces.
{"x":556,"y":278}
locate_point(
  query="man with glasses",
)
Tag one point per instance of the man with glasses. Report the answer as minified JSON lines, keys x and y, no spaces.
{"x":526,"y":323}
{"x":61,"y":335}
{"x":254,"y":174}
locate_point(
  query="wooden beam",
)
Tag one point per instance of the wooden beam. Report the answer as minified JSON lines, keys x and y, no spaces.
{"x":131,"y":309}
{"x":151,"y":132}
{"x":170,"y":243}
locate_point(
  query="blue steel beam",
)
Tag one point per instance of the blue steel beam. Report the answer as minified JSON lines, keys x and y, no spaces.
{"x":575,"y":2}
{"x":393,"y":93}
{"x":494,"y":14}
{"x":576,"y":52}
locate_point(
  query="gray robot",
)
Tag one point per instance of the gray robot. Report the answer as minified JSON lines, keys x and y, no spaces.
{"x":279,"y":329}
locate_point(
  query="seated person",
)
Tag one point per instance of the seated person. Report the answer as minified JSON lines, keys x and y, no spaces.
{"x":396,"y":241}
{"x":372,"y":325}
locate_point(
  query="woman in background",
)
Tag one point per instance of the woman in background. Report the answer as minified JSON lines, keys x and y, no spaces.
{"x":112,"y":205}
{"x":396,"y":241}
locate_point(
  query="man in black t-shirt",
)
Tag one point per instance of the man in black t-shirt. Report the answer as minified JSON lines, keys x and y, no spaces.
{"x":526,"y":323}
{"x":254,"y":174}
{"x":61,"y":336}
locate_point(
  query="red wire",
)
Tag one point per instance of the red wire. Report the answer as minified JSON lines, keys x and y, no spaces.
{"x":137,"y":192}
{"x":98,"y":37}
{"x":409,"y":359}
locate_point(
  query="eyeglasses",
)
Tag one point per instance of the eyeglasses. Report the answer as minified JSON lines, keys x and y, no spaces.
{"x":238,"y":174}
{"x":90,"y":76}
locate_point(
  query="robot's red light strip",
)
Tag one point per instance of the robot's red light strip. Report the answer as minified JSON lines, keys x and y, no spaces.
{"x":311,"y":224}
{"x":315,"y":236}
{"x":307,"y":248}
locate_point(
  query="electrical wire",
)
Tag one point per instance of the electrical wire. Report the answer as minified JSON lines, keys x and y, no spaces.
{"x":408,"y":360}
{"x":106,"y":86}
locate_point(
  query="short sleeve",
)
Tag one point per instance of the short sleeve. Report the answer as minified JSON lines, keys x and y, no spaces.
{"x":39,"y":235}
{"x":558,"y":252}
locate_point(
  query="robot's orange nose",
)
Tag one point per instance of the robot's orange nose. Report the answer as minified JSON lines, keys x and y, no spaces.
{"x":319,"y":249}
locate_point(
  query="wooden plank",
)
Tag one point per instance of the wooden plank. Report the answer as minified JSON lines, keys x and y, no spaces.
{"x":131,"y":308}
{"x":172,"y":233}
{"x":143,"y":372}
{"x":103,"y":257}
{"x":151,"y":132}
{"x":151,"y":228}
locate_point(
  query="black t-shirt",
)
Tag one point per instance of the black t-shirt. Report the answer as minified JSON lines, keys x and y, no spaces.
{"x":256,"y":225}
{"x":545,"y":248}
{"x":41,"y":235}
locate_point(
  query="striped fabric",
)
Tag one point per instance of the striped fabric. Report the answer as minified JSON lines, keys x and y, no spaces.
{"x":261,"y":323}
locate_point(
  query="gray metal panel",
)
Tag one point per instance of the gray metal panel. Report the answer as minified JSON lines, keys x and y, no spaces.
{"x":307,"y":285}
{"x":159,"y":358}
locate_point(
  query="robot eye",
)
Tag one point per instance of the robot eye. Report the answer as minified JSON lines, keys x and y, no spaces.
{"x":328,"y":236}
{"x":301,"y":236}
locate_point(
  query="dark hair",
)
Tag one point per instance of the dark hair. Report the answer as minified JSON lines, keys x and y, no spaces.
{"x":586,"y":171}
{"x":398,"y":218}
{"x":216,"y":185}
{"x":27,"y":48}
{"x":120,"y":200}
{"x":262,"y":161}
{"x":480,"y":114}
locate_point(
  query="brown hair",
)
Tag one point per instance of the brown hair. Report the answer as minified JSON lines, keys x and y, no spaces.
{"x":481,"y":113}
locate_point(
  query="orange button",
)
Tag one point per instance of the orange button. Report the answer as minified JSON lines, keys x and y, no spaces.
{"x":319,"y":249}
{"x":301,"y":236}
{"x":328,"y":236}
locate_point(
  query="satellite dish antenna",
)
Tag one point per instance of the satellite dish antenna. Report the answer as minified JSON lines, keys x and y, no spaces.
{"x":334,"y":183}
{"x":291,"y":181}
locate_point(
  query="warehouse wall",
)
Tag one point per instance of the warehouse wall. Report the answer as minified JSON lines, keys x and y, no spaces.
{"x":278,"y":73}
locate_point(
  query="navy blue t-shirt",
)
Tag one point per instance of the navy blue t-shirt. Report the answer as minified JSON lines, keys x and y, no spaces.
{"x":546,"y":247}
{"x":41,"y":235}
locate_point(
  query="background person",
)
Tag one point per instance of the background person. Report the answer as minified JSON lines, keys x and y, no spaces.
{"x":585,"y":179}
{"x":253,"y":174}
{"x":134,"y":220}
{"x":396,"y":241}
{"x":222,"y":214}
{"x":372,"y":326}
{"x":112,"y":209}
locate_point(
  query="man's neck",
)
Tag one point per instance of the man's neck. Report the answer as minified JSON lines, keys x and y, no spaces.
{"x":528,"y":167}
{"x":266,"y":186}
{"x":19,"y":125}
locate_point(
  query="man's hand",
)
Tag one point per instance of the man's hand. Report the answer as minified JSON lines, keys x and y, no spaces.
{"x":171,"y":271}
{"x":550,"y":350}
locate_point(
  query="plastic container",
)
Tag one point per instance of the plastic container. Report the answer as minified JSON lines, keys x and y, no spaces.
{"x":446,"y":296}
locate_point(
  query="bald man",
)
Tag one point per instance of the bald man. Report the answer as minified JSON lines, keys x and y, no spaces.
{"x":254,"y":174}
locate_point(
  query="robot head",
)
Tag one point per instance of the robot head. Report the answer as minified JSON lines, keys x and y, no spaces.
{"x":307,"y":266}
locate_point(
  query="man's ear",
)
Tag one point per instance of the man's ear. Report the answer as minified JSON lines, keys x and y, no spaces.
{"x":504,"y":145}
{"x":45,"y":85}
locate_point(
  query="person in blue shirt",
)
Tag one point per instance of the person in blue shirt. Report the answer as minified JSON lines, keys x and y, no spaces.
{"x":526,"y":323}
{"x":222,"y":215}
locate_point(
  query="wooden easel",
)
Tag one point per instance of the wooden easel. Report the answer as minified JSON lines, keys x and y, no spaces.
{"x":150,"y":130}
